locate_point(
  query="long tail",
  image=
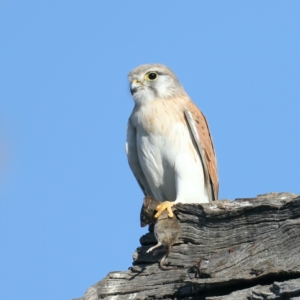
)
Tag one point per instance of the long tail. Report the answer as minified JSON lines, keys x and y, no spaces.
{"x":161,"y":263}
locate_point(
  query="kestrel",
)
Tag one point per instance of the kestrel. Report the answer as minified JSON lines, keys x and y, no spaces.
{"x":169,"y":146}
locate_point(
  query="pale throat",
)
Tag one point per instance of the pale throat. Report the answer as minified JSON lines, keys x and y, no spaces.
{"x":144,"y":96}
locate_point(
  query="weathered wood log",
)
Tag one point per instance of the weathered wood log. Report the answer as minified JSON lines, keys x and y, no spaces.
{"x":243,"y":249}
{"x":278,"y":290}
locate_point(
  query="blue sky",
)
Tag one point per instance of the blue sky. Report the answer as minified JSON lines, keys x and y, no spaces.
{"x":69,"y":209}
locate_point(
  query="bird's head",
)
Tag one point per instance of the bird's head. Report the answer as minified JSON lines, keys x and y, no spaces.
{"x":153,"y":81}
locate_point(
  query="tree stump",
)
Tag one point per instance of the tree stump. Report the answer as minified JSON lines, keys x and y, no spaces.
{"x":242,"y":249}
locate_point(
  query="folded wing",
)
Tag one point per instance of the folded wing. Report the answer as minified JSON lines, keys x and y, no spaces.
{"x":200,"y":131}
{"x":133,"y":160}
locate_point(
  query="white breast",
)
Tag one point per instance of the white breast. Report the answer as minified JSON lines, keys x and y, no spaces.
{"x":168,"y":155}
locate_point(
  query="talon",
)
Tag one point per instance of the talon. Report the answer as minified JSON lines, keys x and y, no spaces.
{"x":167,"y":205}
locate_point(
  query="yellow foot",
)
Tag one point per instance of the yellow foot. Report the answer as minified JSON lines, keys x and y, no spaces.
{"x":167,"y":205}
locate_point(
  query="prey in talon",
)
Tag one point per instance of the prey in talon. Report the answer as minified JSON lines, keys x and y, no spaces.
{"x":166,"y":230}
{"x":167,"y":205}
{"x":169,"y":146}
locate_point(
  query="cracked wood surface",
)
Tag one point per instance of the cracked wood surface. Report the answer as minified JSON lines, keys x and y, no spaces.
{"x":278,"y":290}
{"x":225,"y":246}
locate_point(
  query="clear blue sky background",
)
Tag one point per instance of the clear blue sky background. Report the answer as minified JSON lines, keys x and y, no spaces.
{"x":69,"y":202}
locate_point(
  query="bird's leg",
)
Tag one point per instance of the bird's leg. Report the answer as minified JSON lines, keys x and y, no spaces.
{"x":166,"y":205}
{"x":150,"y":249}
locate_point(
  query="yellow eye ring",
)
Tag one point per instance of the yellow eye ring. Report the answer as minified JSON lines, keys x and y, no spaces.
{"x":151,"y":76}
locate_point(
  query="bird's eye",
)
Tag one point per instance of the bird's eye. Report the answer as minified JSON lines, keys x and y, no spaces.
{"x":151,"y":76}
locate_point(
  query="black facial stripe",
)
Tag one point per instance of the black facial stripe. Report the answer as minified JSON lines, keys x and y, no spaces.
{"x":154,"y":91}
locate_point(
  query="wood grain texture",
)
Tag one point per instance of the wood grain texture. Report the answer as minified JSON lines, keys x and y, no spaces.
{"x":246,"y":249}
{"x":278,"y":290}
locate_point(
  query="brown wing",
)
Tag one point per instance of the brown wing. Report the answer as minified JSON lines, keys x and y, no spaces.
{"x":207,"y":145}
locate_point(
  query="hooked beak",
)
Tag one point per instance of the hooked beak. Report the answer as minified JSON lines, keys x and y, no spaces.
{"x":135,"y":85}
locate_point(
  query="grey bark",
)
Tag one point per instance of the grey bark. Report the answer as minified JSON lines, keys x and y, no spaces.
{"x":242,"y":249}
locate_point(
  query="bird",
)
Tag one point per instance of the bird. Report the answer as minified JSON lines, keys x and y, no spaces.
{"x":169,"y":146}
